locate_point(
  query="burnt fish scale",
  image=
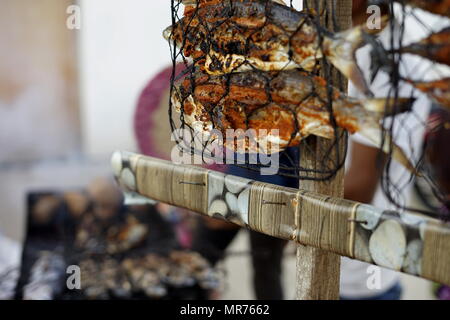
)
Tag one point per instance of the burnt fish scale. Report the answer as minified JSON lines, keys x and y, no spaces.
{"x":289,"y":19}
{"x":291,"y":86}
{"x":271,"y":100}
{"x":286,"y":17}
{"x":275,"y":37}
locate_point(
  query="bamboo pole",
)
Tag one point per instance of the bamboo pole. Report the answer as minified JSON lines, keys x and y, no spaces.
{"x":318,"y":271}
{"x":399,"y":241}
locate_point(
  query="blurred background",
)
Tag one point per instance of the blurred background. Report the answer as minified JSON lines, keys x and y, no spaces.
{"x":68,"y":98}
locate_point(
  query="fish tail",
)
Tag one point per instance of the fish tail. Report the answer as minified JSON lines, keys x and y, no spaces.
{"x":388,"y":106}
{"x":373,"y":134}
{"x":341,"y":50}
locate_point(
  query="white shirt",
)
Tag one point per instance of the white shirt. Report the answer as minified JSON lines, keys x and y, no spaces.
{"x":408,"y":134}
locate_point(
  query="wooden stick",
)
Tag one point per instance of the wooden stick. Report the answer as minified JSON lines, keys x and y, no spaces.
{"x":403,"y":242}
{"x":318,"y":271}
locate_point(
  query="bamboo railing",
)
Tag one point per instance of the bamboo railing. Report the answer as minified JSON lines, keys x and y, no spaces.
{"x":399,"y":241}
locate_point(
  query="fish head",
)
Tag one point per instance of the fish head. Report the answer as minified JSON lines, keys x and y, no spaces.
{"x":194,"y":114}
{"x":174,"y":33}
{"x":167,"y":33}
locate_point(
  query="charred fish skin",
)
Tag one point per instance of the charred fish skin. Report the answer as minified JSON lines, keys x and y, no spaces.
{"x":249,"y":13}
{"x":292,"y":102}
{"x":243,"y":35}
{"x":234,"y":99}
{"x":219,"y":26}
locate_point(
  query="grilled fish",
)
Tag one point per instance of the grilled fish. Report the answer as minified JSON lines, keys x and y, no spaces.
{"x":435,"y":47}
{"x":242,"y":35}
{"x":438,"y":90}
{"x":440,"y":7}
{"x":190,"y":5}
{"x":292,"y":102}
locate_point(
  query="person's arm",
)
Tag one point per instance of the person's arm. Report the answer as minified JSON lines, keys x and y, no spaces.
{"x":363,"y":175}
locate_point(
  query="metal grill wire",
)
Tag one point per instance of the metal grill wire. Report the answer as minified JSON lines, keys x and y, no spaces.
{"x":332,"y":160}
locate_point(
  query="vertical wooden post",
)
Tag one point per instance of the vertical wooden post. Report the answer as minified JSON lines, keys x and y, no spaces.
{"x":318,"y":271}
